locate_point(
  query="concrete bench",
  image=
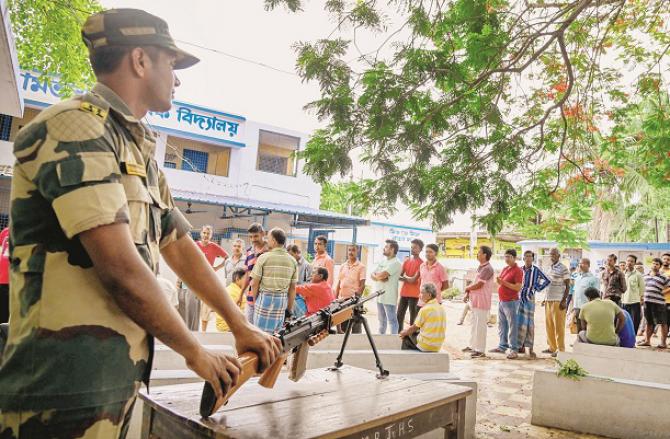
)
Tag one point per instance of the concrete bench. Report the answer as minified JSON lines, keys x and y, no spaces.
{"x":166,"y":358}
{"x":396,"y":361}
{"x":630,"y":354}
{"x":616,"y":408}
{"x":615,"y":364}
{"x":332,"y":342}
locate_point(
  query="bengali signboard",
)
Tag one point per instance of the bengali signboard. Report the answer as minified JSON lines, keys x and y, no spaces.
{"x":183,"y":119}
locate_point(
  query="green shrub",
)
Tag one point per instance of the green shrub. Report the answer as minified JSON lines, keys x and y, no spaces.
{"x":571,"y":369}
{"x":450,"y":293}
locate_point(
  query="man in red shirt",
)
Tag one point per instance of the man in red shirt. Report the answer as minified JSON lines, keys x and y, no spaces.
{"x":313,"y":296}
{"x":510,"y":281}
{"x":4,"y":276}
{"x":409,"y":276}
{"x":212,"y":251}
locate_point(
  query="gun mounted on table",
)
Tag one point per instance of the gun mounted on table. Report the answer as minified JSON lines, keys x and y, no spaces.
{"x":297,"y":335}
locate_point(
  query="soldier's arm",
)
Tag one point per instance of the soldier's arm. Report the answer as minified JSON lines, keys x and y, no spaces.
{"x":137,"y":292}
{"x":189,"y":263}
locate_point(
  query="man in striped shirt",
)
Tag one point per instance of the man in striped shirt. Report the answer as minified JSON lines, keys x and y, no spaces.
{"x":274,"y":275}
{"x":655,"y":310}
{"x":430,"y":324}
{"x":534,"y":281}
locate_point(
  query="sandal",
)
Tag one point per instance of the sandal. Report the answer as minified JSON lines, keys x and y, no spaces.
{"x":643,"y":343}
{"x":661,"y":347}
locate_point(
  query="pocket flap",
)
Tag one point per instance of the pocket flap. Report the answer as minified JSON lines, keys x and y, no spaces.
{"x":87,"y":167}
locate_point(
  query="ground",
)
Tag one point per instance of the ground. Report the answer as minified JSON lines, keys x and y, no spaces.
{"x":505,"y":386}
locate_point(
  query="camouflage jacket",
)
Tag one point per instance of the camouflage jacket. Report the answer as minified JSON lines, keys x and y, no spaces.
{"x":80,"y":164}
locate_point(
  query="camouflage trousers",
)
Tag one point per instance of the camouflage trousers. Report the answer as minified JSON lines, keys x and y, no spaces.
{"x":103,"y":422}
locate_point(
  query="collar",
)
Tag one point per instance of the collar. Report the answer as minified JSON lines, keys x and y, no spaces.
{"x":431,"y":301}
{"x":279,"y":250}
{"x":116,"y":103}
{"x":119,"y":107}
{"x":349,"y":264}
{"x":484,"y":264}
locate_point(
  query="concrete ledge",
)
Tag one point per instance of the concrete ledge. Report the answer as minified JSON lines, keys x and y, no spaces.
{"x":615,"y":408}
{"x":639,"y":355}
{"x":332,"y":342}
{"x":395,"y":361}
{"x":166,"y":358}
{"x":613,"y":366}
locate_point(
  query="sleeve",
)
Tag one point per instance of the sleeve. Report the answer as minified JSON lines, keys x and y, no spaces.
{"x":294,"y":278}
{"x":257,"y":271}
{"x":420,"y":318}
{"x":518,"y":277}
{"x":487,"y":273}
{"x":302,"y":289}
{"x":565,"y":273}
{"x":73,"y":166}
{"x":330,"y":266}
{"x":221,"y":252}
{"x":363,"y":273}
{"x":394,"y":269}
{"x":443,"y":275}
{"x":173,"y":224}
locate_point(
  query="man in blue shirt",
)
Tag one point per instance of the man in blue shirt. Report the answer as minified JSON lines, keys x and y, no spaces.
{"x":534,"y":281}
{"x":584,"y":279}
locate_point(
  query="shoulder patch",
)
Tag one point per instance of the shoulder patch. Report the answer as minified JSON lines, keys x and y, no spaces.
{"x":75,"y":126}
{"x":99,"y":112}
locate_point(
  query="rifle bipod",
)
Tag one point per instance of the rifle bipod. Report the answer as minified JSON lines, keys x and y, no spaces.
{"x":356,"y":318}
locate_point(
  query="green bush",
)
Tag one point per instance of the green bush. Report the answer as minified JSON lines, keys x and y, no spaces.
{"x":450,"y":293}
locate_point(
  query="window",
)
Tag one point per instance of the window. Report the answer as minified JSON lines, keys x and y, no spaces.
{"x":195,"y":161}
{"x":276,"y":153}
{"x":195,"y":156}
{"x":5,"y":126}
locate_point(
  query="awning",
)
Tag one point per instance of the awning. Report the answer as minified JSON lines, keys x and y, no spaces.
{"x":303,"y":217}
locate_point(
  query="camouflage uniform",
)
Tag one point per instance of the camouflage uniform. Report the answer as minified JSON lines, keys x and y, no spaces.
{"x":74,"y":360}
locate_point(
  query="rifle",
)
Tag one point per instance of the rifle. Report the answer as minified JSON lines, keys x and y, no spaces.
{"x":296,"y":336}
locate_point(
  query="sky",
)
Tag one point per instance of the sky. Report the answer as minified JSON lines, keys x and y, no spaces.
{"x":233,"y":29}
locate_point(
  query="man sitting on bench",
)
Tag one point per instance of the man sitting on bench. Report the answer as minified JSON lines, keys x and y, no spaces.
{"x":601,"y":320}
{"x":430,"y":324}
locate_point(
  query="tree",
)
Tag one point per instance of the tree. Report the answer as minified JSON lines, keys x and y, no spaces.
{"x":48,"y":39}
{"x":345,"y":197}
{"x":486,"y":104}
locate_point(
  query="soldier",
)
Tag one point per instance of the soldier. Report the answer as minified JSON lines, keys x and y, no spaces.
{"x":91,"y":212}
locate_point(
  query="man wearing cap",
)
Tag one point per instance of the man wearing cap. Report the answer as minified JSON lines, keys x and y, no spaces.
{"x":91,"y":213}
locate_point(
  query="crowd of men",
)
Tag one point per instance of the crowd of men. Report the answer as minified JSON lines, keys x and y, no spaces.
{"x":271,"y":281}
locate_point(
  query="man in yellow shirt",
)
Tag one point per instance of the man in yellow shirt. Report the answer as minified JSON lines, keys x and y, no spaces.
{"x":427,"y":332}
{"x":234,"y":290}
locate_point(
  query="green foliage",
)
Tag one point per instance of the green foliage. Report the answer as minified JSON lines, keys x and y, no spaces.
{"x":571,"y":369}
{"x":346,"y":197}
{"x":48,"y":39}
{"x":505,"y":108}
{"x":451,"y":293}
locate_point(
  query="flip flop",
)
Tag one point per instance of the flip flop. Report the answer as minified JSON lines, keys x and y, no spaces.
{"x":661,"y":347}
{"x":643,"y":343}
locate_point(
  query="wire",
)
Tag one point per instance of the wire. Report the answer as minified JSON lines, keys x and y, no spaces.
{"x":239,"y":58}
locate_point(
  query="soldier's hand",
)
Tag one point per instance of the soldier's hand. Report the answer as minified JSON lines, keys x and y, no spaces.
{"x":266,"y":346}
{"x":217,"y":369}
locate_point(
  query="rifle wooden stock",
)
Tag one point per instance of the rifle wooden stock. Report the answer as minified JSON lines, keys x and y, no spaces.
{"x":210,"y":404}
